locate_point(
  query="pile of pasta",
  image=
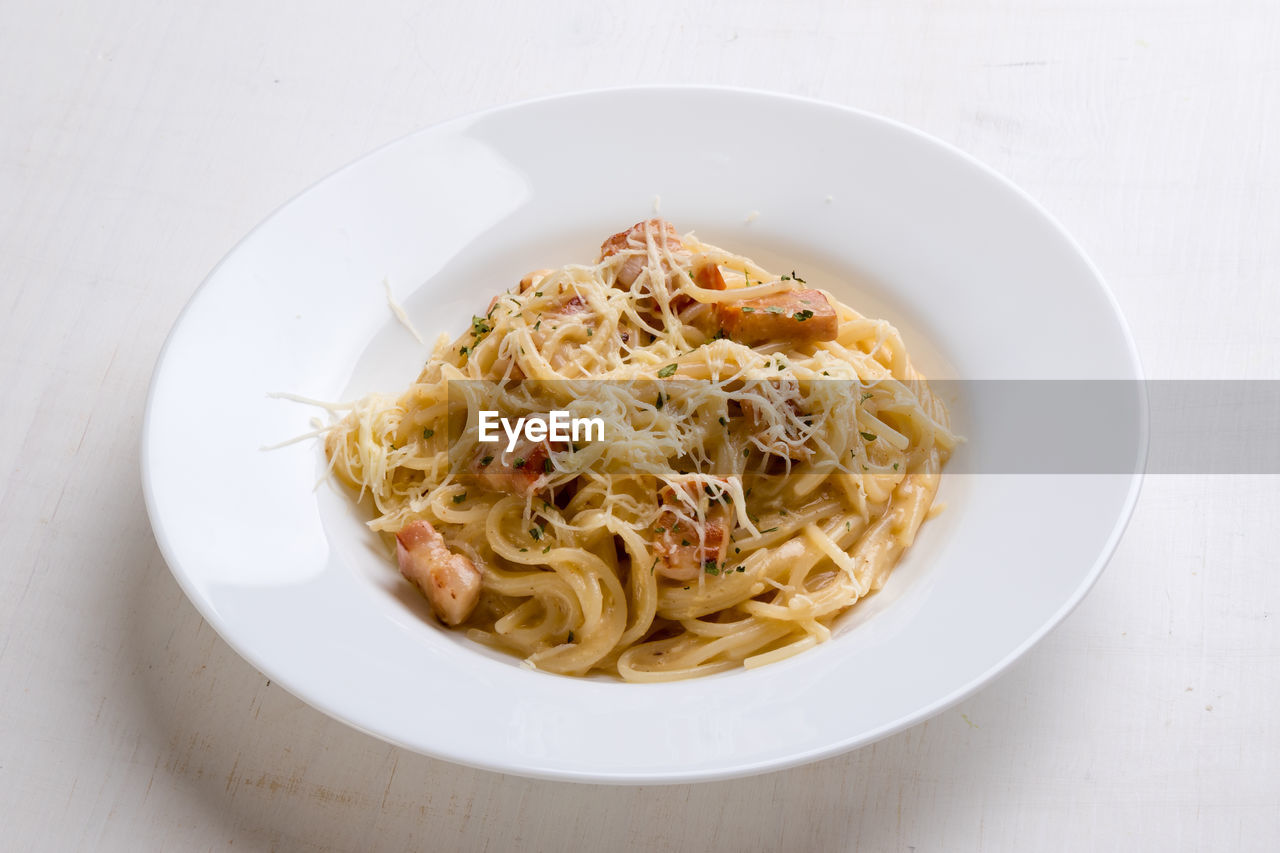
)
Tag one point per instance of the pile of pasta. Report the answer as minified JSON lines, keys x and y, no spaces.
{"x":769,"y":455}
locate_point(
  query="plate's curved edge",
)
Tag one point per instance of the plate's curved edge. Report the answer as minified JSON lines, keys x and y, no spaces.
{"x":204,"y":607}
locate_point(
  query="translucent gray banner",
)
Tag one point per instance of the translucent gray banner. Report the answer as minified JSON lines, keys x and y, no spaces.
{"x":1004,"y":426}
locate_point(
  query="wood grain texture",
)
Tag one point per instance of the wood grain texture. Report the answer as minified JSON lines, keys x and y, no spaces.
{"x":141,"y":140}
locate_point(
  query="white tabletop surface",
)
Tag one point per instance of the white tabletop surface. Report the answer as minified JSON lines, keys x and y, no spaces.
{"x":140,"y":140}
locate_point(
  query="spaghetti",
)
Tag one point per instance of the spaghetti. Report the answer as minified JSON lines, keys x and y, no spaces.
{"x":770,"y":455}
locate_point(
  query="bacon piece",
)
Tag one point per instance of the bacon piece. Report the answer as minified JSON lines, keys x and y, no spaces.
{"x":700,"y":315}
{"x":516,"y":472}
{"x":519,"y":471}
{"x":450,"y":582}
{"x":573,"y":305}
{"x":686,"y":549}
{"x":795,"y":316}
{"x":635,"y":239}
{"x":708,"y":277}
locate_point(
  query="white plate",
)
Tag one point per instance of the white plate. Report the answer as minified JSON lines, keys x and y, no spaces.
{"x":981,"y":280}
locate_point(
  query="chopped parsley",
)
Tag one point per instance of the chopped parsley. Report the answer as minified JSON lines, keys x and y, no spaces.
{"x":685,"y":543}
{"x":869,"y":436}
{"x":865,"y":397}
{"x":774,"y":309}
{"x":802,"y":315}
{"x":710,"y":567}
{"x":798,"y":278}
{"x":536,"y":532}
{"x":479,"y":327}
{"x":659,"y":403}
{"x":723,"y":421}
{"x":669,"y":370}
{"x":485,"y":461}
{"x":770,"y":530}
{"x":548,"y":466}
{"x":895,"y":466}
{"x":747,"y":309}
{"x":460,"y":498}
{"x":546,"y":550}
{"x":654,"y":566}
{"x":519,"y":463}
{"x":570,"y":640}
{"x":427,"y":433}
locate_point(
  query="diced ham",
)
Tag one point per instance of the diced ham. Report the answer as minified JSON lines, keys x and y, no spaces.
{"x":635,"y":240}
{"x":794,"y":316}
{"x":686,"y":549}
{"x":450,"y":582}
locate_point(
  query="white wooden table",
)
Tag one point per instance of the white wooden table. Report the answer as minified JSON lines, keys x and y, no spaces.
{"x":140,"y":140}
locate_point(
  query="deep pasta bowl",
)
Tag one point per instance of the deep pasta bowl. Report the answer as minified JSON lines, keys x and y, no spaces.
{"x":982,"y":283}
